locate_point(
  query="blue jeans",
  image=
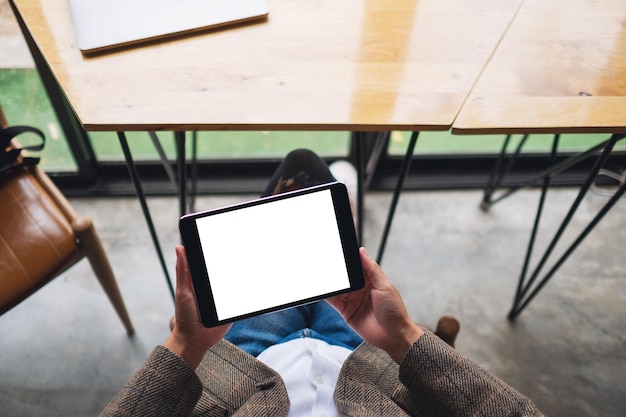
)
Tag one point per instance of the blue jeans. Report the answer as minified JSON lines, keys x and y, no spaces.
{"x":317,"y":320}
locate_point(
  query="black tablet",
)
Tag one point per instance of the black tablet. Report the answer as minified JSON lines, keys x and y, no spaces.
{"x":272,"y":253}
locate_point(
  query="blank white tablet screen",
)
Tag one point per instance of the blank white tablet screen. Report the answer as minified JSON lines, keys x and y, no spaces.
{"x":273,"y":254}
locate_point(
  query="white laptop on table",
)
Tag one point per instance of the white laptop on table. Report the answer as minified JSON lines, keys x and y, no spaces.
{"x":107,"y":24}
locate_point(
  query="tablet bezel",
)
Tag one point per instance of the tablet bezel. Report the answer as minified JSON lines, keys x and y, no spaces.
{"x":197,"y":266}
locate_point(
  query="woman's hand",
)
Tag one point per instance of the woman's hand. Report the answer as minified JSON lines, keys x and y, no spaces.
{"x":377,"y":312}
{"x":189,"y":339}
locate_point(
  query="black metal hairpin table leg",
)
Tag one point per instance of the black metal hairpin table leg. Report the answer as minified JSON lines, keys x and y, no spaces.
{"x":525,"y":296}
{"x":551,"y":171}
{"x":359,"y":146}
{"x":182,"y":172}
{"x":500,"y":171}
{"x":194,"y":171}
{"x":134,"y":176}
{"x":404,"y":170}
{"x":533,"y":235}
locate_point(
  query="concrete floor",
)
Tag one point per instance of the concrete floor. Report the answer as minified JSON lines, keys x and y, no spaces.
{"x":63,"y":352}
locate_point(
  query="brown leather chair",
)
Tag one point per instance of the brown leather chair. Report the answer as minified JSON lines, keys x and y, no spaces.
{"x":41,"y":236}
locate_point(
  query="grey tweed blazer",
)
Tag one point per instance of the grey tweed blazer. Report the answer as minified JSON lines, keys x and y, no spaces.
{"x":433,"y":380}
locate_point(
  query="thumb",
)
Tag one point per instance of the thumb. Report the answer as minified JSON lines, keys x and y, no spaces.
{"x":183,"y":283}
{"x":372,"y":271}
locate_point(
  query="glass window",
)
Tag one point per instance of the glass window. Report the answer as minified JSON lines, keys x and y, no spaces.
{"x":25,"y":102}
{"x":438,"y":143}
{"x":224,"y":145}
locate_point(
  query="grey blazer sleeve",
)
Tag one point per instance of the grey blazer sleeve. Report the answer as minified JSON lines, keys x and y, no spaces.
{"x":448,"y":384}
{"x":227,"y":382}
{"x":434,"y":380}
{"x":165,"y":385}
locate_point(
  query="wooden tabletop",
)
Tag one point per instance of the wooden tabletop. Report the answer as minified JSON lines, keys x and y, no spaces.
{"x":314,"y":65}
{"x":561,"y":67}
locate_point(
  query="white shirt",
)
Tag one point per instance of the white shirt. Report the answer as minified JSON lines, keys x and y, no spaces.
{"x":310,"y":368}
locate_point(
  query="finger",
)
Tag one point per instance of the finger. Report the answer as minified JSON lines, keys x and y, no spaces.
{"x":372,"y":271}
{"x":337,"y":302}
